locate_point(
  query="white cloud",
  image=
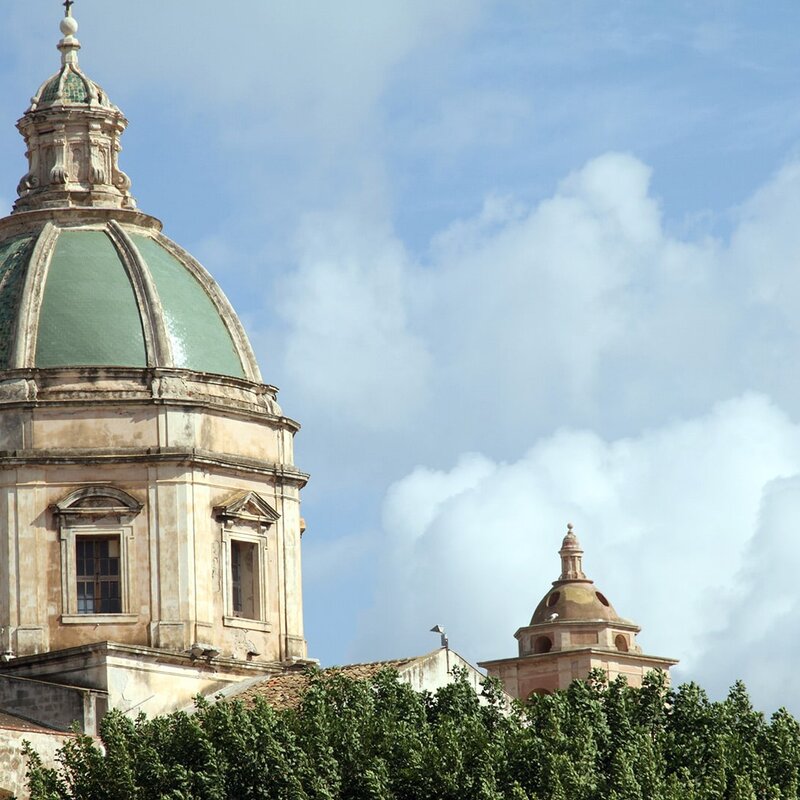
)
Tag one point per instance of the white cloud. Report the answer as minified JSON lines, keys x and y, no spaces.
{"x":755,"y":634}
{"x":582,"y":310}
{"x":351,"y":347}
{"x":669,"y":520}
{"x":535,"y":315}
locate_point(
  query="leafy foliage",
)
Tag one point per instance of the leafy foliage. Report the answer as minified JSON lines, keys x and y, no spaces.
{"x":380,"y":740}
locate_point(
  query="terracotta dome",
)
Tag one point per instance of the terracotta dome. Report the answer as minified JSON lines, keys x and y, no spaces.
{"x":574,"y":597}
{"x":578,"y":601}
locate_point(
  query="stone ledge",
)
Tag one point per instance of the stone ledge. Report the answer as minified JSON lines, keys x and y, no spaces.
{"x":150,"y":455}
{"x":99,"y":619}
{"x":91,"y":386}
{"x":247,"y":624}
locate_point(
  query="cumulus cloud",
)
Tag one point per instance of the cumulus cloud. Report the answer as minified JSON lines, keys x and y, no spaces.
{"x":583,"y":310}
{"x":348,"y":313}
{"x":754,"y":632}
{"x":584,"y":315}
{"x":684,"y":528}
{"x":572,"y":311}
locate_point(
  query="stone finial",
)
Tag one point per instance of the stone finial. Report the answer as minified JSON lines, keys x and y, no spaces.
{"x":72,"y":132}
{"x":69,"y":45}
{"x":571,"y":557}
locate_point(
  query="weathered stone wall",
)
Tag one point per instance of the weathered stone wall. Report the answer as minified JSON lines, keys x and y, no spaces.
{"x":12,"y":761}
{"x":178,"y":462}
{"x":48,"y":704}
{"x":135,"y":679}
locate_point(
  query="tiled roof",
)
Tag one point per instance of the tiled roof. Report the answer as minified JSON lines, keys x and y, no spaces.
{"x":285,"y":690}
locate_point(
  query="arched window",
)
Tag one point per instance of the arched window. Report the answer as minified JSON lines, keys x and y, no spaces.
{"x":95,"y":530}
{"x":621,"y":641}
{"x":543,"y":644}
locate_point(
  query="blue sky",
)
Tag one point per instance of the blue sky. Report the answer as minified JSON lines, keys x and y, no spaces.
{"x":510,"y":263}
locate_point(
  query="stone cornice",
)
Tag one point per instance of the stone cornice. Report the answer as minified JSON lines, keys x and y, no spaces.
{"x":618,"y":655}
{"x":151,"y":455}
{"x":31,"y":221}
{"x":146,"y":656}
{"x":591,"y":624}
{"x":122,"y":386}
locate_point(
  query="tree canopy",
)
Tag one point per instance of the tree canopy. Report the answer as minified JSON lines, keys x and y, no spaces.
{"x":380,"y":740}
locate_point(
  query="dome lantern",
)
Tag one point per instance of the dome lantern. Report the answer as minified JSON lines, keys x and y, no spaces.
{"x":571,"y":557}
{"x":72,"y":132}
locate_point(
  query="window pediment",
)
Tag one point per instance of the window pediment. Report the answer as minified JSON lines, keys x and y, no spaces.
{"x":90,"y":503}
{"x":248,"y":507}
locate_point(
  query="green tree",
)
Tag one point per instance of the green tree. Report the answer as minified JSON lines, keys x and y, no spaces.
{"x":379,"y":740}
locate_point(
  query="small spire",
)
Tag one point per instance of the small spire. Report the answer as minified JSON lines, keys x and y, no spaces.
{"x":69,"y":45}
{"x":571,"y":557}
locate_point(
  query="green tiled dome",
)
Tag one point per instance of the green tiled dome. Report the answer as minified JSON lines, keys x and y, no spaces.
{"x":14,"y":255}
{"x":114,"y":297}
{"x":70,"y":86}
{"x":88,"y":314}
{"x":73,"y":90}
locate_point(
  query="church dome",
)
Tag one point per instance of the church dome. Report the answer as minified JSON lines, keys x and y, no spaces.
{"x":574,"y":597}
{"x":69,"y":86}
{"x":86,"y":280}
{"x":93,"y":291}
{"x":574,"y":602}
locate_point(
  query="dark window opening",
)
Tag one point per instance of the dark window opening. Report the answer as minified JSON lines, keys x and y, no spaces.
{"x":244,"y":579}
{"x":542,"y":645}
{"x":97,"y":574}
{"x":602,"y":598}
{"x":553,"y":599}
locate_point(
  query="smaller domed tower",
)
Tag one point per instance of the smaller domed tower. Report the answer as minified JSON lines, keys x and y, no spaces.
{"x":573,"y":630}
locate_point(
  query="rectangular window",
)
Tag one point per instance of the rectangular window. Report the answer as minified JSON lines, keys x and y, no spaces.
{"x":244,"y":579}
{"x":97,"y":574}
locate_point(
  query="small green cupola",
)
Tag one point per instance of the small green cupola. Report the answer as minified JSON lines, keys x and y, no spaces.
{"x":72,"y":132}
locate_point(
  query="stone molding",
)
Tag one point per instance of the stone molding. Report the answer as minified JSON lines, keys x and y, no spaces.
{"x":88,"y":386}
{"x":24,"y":347}
{"x":13,"y":459}
{"x":156,"y":339}
{"x":247,"y":507}
{"x":87,"y":503}
{"x":620,"y":656}
{"x":33,"y":221}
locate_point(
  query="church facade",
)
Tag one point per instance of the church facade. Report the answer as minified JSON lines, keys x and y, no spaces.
{"x":149,"y":502}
